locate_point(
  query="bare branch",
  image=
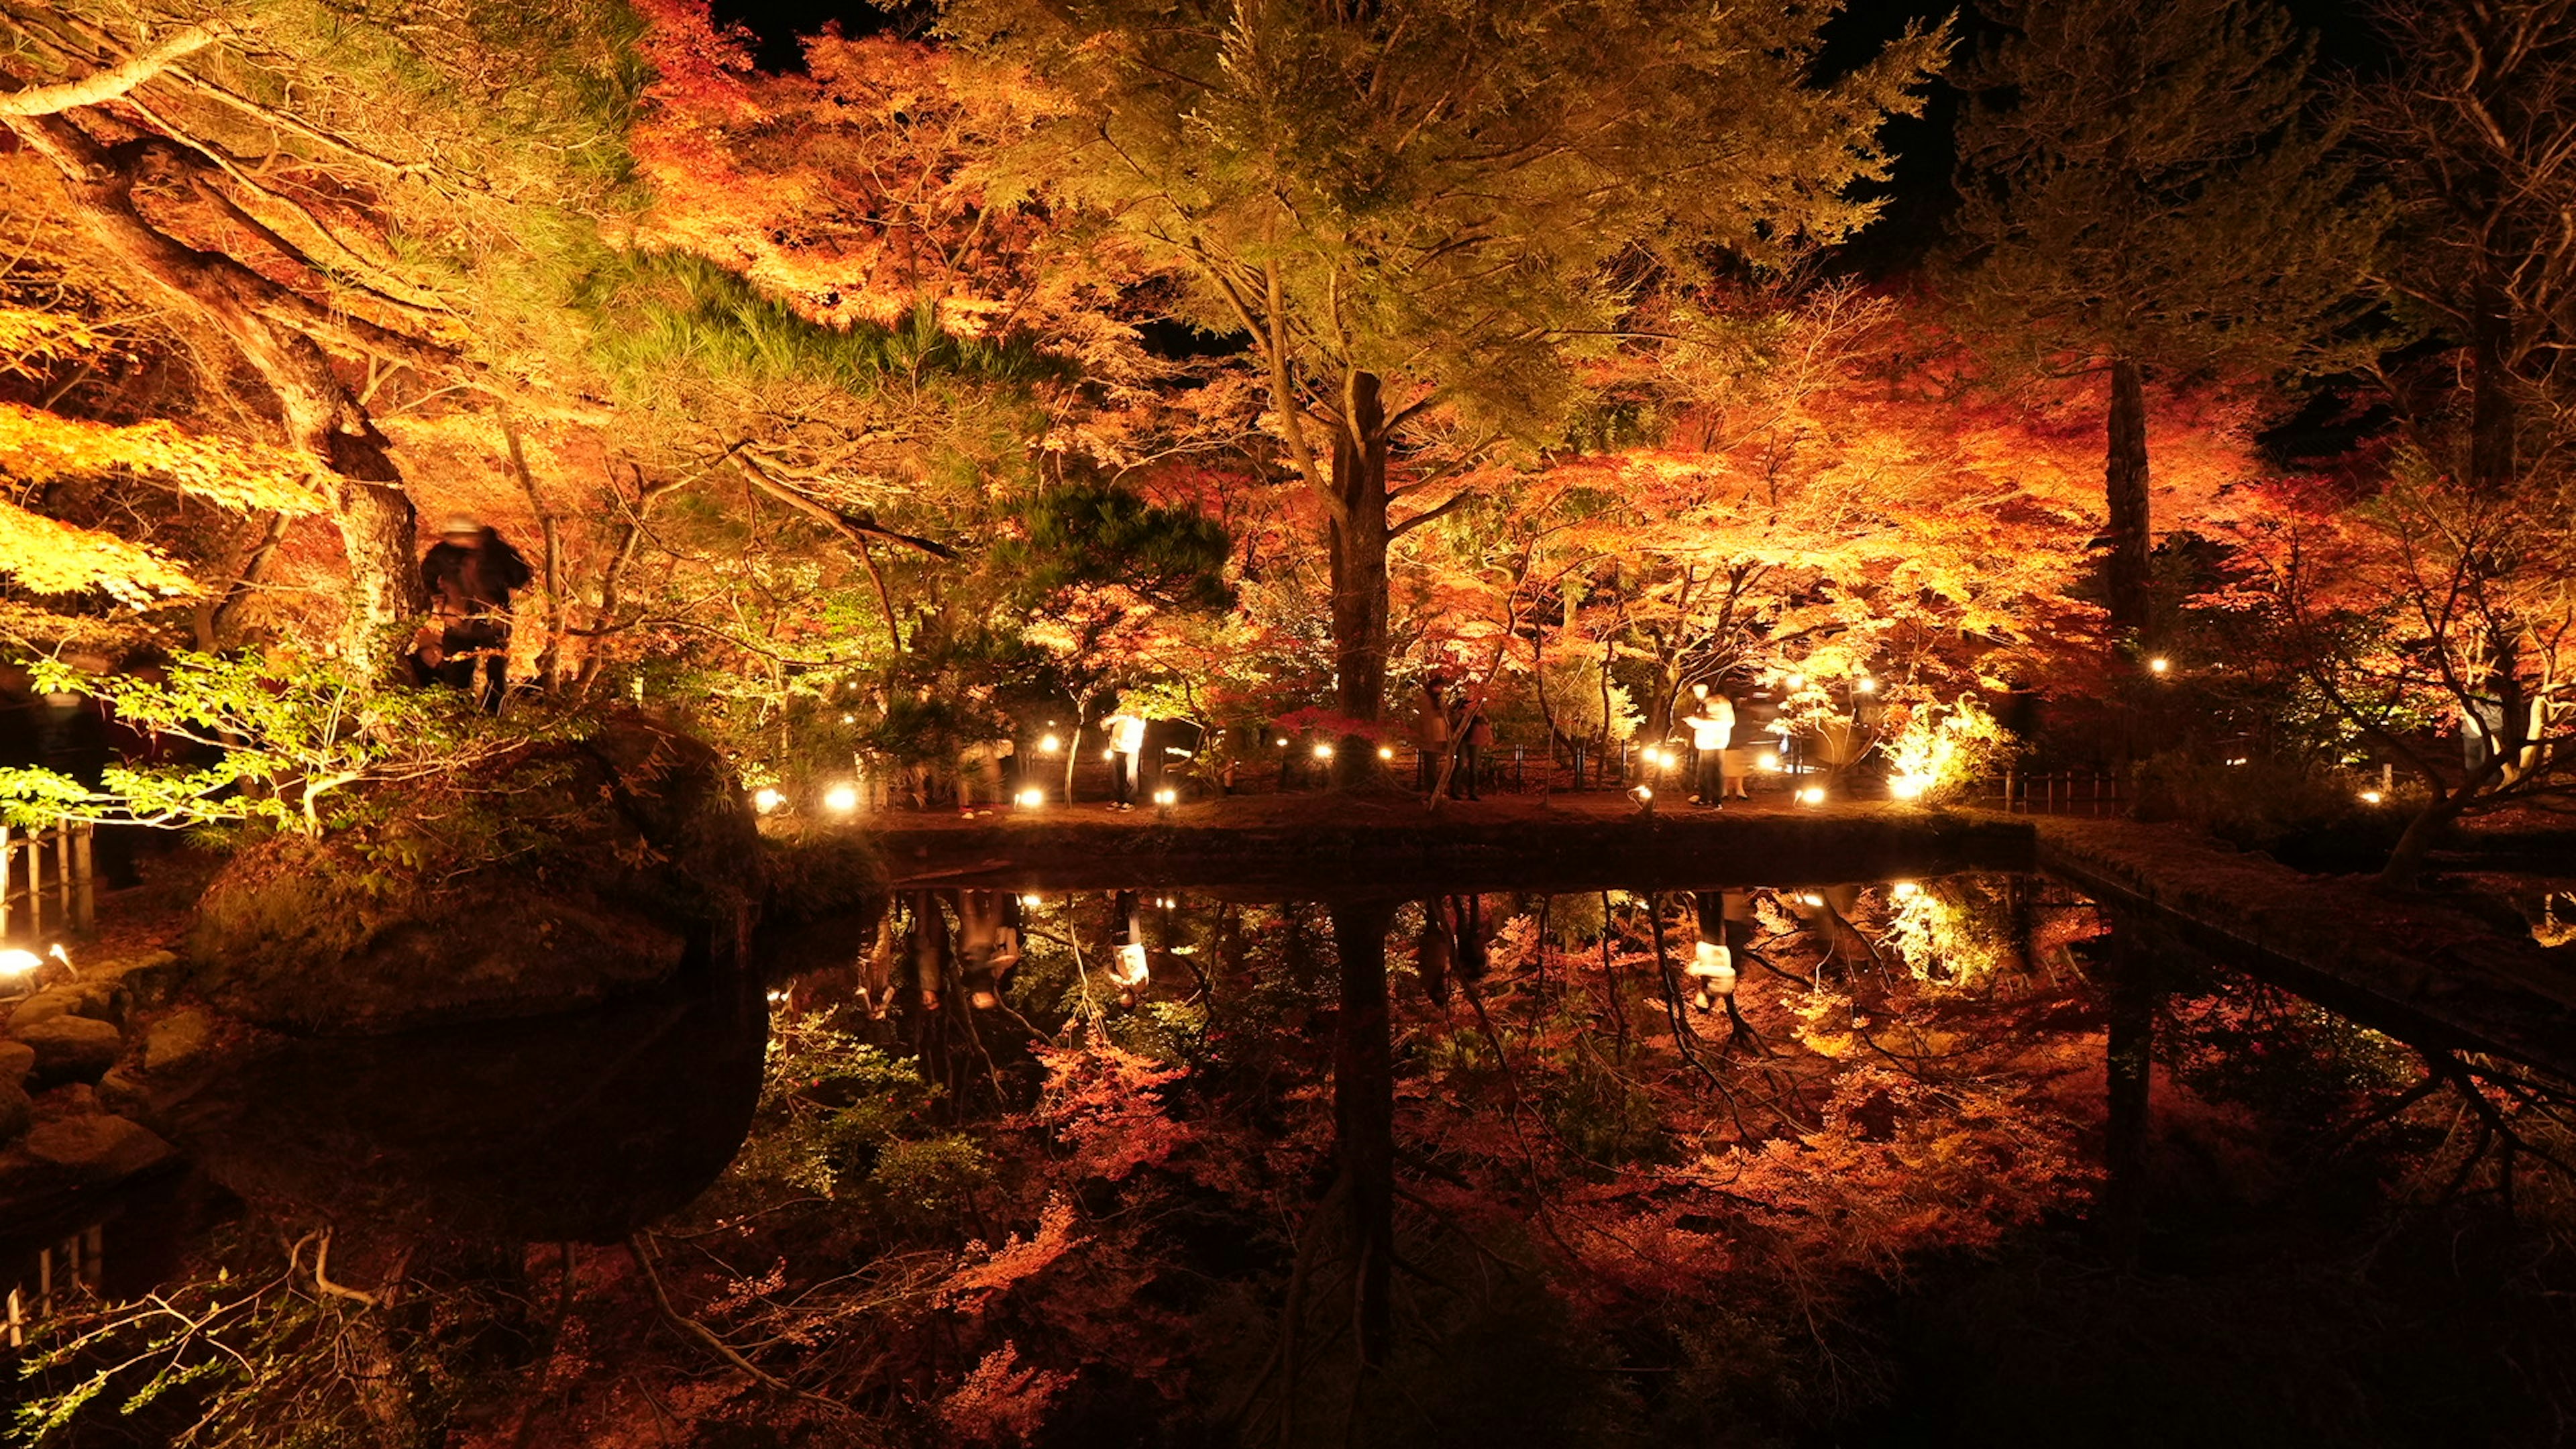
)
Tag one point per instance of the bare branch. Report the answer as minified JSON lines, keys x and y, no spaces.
{"x":116,"y":80}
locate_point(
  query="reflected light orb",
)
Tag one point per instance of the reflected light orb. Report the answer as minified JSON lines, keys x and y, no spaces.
{"x":841,"y":798}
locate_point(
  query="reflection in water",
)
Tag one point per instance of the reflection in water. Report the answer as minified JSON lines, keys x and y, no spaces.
{"x":1848,"y":1161}
{"x":580,"y":1128}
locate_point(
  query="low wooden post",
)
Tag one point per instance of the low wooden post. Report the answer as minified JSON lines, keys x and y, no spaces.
{"x":84,"y":870}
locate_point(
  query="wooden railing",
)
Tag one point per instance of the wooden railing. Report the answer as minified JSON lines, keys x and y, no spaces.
{"x":45,"y":881}
{"x":2053,"y":792}
{"x":76,"y":1261}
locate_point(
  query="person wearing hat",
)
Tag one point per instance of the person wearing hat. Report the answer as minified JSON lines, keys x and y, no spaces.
{"x":471,"y":574}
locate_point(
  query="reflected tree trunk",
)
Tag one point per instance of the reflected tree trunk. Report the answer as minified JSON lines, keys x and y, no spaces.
{"x":1364,"y":1112}
{"x":2130,"y":1065}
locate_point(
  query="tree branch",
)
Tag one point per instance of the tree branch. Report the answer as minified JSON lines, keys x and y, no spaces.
{"x":1457,"y":500}
{"x":857,"y":528}
{"x":116,"y":80}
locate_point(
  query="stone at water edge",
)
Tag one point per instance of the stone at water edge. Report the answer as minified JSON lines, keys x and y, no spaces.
{"x":72,"y":1048}
{"x":175,"y":1038}
{"x":96,"y":999}
{"x":95,"y":1149}
{"x":43,"y":1006}
{"x":17,"y":1059}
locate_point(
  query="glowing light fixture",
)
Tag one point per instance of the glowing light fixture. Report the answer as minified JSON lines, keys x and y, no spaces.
{"x":2159,"y":665}
{"x":1323,"y":752}
{"x":1907,"y":787}
{"x":1167,"y":797}
{"x":1030,"y":799}
{"x":15,"y":962}
{"x":1907,"y":888}
{"x":1797,"y":681}
{"x":1130,"y":971}
{"x":1386,"y":752}
{"x":1050,"y":744}
{"x":841,"y":798}
{"x":1766,"y":761}
{"x":1812,"y":795}
{"x":849,"y":719}
{"x":1032,"y":901}
{"x":2371,"y":797}
{"x":766,"y":799}
{"x":1865,"y":685}
{"x":1811,"y":899}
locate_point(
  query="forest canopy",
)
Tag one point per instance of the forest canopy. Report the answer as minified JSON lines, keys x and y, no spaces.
{"x":987,"y":365}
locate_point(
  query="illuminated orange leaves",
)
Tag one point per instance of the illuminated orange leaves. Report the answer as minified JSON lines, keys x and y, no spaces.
{"x":49,"y":556}
{"x":37,"y":446}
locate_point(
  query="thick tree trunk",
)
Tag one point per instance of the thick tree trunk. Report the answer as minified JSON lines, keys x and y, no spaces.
{"x":319,"y":415}
{"x":1360,"y":594}
{"x":1364,"y":1113}
{"x":2130,"y":530}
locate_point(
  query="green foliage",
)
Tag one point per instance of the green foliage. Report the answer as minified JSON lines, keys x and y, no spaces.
{"x":2148,"y":182}
{"x":1458,"y":194}
{"x":661,"y":316}
{"x":1088,"y":535}
{"x":1940,"y":750}
{"x":292,"y":744}
{"x":842,"y":1119}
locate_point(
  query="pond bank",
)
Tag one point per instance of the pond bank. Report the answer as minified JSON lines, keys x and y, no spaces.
{"x":1321,"y":847}
{"x":2416,"y":966}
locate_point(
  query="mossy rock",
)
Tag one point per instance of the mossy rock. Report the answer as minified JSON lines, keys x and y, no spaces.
{"x":570,"y":874}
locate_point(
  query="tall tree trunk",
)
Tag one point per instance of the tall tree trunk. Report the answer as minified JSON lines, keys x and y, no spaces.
{"x":1364,"y":1112}
{"x":2130,"y":530}
{"x":2492,"y":415}
{"x":1360,"y":593}
{"x":320,"y":416}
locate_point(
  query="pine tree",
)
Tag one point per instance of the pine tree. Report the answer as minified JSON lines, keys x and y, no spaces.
{"x":2145,"y":189}
{"x":1435,"y":206}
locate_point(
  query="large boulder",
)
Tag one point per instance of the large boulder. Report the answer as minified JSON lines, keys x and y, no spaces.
{"x":17,"y":1061}
{"x":574,"y":872}
{"x":71,"y":1048}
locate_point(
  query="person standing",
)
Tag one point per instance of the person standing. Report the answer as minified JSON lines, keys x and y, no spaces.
{"x":1712,"y":730}
{"x":471,"y":573}
{"x":1476,"y":735}
{"x":1126,"y":733}
{"x":1430,"y":735}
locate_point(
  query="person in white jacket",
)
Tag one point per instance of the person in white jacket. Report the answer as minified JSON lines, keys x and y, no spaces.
{"x":1126,"y":748}
{"x":1712,"y":730}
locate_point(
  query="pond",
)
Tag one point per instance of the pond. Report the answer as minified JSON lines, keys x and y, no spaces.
{"x":1957,"y":1158}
